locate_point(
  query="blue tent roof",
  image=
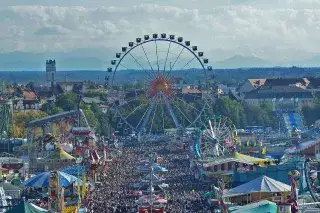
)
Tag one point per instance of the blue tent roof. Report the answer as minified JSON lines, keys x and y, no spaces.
{"x":42,"y":180}
{"x":74,"y":170}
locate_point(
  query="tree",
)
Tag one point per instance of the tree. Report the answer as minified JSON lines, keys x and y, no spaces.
{"x":311,"y":113}
{"x":51,"y":109}
{"x":20,"y":119}
{"x":67,"y":101}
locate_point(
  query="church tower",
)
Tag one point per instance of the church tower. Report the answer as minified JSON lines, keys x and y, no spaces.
{"x":51,"y":71}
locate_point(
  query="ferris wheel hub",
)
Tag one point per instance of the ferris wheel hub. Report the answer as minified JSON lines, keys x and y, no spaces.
{"x":159,"y":85}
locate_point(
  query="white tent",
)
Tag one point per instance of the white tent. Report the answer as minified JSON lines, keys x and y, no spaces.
{"x":261,"y":184}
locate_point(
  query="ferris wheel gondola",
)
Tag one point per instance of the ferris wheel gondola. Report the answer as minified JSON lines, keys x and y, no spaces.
{"x":166,"y":84}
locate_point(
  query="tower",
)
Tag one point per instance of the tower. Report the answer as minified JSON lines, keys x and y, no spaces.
{"x":51,"y":71}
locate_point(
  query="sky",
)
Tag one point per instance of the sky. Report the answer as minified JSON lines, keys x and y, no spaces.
{"x":273,"y":30}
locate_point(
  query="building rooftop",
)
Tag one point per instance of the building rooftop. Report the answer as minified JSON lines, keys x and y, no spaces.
{"x":191,"y":91}
{"x":278,"y":92}
{"x":28,"y":94}
{"x":285,"y":81}
{"x":257,"y":82}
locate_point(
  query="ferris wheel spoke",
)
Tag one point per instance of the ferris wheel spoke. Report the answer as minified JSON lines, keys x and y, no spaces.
{"x":138,"y":107}
{"x":137,"y":62}
{"x":157,"y":55}
{"x":171,"y":67}
{"x":162,"y":115}
{"x":147,"y":113}
{"x":124,"y":66}
{"x":166,"y":101}
{"x":183,"y":101}
{"x":165,"y":63}
{"x":127,"y":102}
{"x":145,"y":53}
{"x":182,"y":113}
{"x":188,"y":63}
{"x":154,"y":113}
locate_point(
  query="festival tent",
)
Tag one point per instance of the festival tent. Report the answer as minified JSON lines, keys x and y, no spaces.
{"x":236,"y":157}
{"x":42,"y":180}
{"x":60,"y":154}
{"x":262,"y":206}
{"x":26,"y":207}
{"x":258,"y":189}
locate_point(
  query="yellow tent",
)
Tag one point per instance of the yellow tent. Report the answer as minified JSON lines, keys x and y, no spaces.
{"x":60,"y":154}
{"x":250,"y":159}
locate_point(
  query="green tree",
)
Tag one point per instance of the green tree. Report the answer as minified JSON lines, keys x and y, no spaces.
{"x":67,"y":101}
{"x":51,"y":109}
{"x":20,"y":119}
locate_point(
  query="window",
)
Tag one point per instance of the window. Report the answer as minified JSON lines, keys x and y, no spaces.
{"x":222,"y":167}
{"x":215,"y":168}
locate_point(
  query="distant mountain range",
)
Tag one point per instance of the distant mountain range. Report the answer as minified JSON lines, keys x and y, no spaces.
{"x":99,"y":59}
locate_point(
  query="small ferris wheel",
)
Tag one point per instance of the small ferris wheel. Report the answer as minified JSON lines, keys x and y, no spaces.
{"x":311,"y":170}
{"x":159,"y":83}
{"x":217,"y":137}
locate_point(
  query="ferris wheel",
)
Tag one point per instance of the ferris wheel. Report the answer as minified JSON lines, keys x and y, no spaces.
{"x":158,"y":82}
{"x":311,"y":171}
{"x":217,"y":137}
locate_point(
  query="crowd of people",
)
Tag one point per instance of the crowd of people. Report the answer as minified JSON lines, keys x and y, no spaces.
{"x":184,"y":194}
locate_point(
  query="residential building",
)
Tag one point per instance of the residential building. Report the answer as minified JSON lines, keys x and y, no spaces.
{"x":249,"y":85}
{"x":279,"y":95}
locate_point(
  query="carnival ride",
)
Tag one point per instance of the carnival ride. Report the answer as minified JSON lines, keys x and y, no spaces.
{"x":216,"y":137}
{"x":52,"y":133}
{"x":170,"y":91}
{"x":311,"y":171}
{"x":6,"y":120}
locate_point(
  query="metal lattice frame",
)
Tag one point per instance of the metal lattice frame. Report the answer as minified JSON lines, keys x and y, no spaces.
{"x":212,"y":136}
{"x":6,"y":121}
{"x":311,"y":172}
{"x":155,"y":76}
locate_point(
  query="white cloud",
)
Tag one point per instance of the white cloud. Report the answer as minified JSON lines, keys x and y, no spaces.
{"x":253,"y":27}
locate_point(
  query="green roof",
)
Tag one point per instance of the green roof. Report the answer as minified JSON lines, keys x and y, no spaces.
{"x":26,"y":207}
